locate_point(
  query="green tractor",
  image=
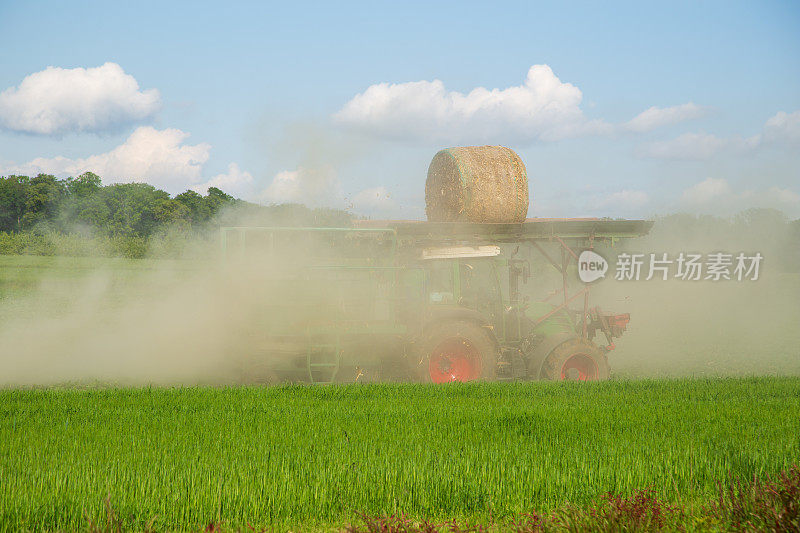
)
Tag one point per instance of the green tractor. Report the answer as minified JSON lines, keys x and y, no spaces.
{"x":422,"y":301}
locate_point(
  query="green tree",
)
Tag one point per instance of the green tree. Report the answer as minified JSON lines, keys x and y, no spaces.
{"x":84,"y":213}
{"x":173,"y":213}
{"x":42,"y":198}
{"x":132,"y":208}
{"x":12,"y":202}
{"x":130,"y":213}
{"x":84,"y":185}
{"x":199,"y":210}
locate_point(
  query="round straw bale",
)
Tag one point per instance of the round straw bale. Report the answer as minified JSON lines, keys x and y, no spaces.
{"x":476,"y":184}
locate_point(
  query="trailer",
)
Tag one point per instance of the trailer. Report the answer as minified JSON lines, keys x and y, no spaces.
{"x":425,"y":301}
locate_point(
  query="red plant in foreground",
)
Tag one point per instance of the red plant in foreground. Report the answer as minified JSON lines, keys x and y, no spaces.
{"x":642,"y":511}
{"x":757,"y":505}
{"x":760,"y":505}
{"x":395,"y":524}
{"x":529,"y":523}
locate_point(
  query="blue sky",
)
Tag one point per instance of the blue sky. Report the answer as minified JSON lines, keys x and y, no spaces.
{"x":318,"y":102}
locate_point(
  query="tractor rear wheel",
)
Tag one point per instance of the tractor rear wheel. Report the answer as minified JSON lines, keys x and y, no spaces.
{"x":458,"y":351}
{"x":576,"y":360}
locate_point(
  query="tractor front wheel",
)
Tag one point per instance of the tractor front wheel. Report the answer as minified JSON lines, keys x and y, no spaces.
{"x":458,"y":351}
{"x":576,"y":360}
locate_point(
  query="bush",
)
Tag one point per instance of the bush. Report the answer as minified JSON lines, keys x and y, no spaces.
{"x":130,"y":247}
{"x":72,"y":244}
{"x":25,"y":243}
{"x":770,"y":505}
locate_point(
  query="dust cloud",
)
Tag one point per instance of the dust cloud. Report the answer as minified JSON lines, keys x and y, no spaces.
{"x":124,"y":321}
{"x":709,"y":328}
{"x":196,"y":320}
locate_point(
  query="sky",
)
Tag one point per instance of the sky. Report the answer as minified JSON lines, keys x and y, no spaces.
{"x":620,"y":109}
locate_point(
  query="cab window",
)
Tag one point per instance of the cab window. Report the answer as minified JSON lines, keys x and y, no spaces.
{"x":440,"y":282}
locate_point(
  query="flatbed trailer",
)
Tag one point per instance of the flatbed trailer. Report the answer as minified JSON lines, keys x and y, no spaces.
{"x":588,"y":229}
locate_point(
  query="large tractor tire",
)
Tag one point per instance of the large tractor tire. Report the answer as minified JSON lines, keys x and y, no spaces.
{"x":576,"y":360}
{"x":458,"y":351}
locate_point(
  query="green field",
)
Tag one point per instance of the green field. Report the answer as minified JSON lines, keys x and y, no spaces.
{"x":32,"y":286}
{"x":313,"y":456}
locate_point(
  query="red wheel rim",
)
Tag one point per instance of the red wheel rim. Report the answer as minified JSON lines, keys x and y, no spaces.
{"x":454,"y":360}
{"x":579,"y":367}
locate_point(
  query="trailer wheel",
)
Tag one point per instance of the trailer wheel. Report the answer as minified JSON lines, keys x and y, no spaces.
{"x":576,"y":360}
{"x":458,"y":351}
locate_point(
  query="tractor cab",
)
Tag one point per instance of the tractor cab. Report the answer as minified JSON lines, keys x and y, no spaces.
{"x":481,"y":279}
{"x":466,"y":276}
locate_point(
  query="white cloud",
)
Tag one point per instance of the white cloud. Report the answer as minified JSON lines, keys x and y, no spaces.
{"x":707,"y":191}
{"x":309,"y":186}
{"x":158,"y":157}
{"x":784,"y":196}
{"x":56,"y":101}
{"x":235,"y":182}
{"x":697,"y":146}
{"x":715,"y":195}
{"x":373,"y":199}
{"x":656,"y":117}
{"x":773,"y":197}
{"x":285,"y":187}
{"x":783,"y":128}
{"x":686,"y":146}
{"x":543,"y":108}
{"x":590,"y":201}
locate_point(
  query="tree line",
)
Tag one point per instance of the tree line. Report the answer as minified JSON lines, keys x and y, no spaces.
{"x":45,"y":215}
{"x":83,"y":205}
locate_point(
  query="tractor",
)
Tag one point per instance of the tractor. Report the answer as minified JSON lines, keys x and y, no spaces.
{"x":425,"y":301}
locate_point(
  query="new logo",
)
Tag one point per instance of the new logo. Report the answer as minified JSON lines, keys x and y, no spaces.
{"x":591,"y":266}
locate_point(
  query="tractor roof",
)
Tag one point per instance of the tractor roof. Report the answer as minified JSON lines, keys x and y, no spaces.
{"x":411,"y":235}
{"x":533,"y":229}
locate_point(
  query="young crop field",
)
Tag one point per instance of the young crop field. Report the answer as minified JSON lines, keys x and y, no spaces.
{"x":313,"y":457}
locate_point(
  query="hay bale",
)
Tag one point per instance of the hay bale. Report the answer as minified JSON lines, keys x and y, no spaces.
{"x":476,"y":184}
